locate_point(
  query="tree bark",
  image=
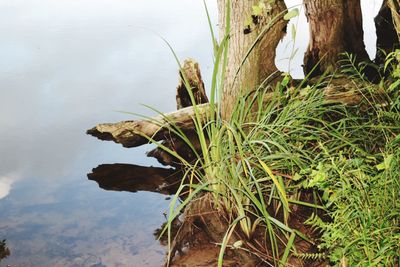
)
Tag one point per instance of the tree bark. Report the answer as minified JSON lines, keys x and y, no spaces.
{"x":394,"y":6}
{"x":240,"y":79}
{"x":387,"y":24}
{"x":335,"y":28}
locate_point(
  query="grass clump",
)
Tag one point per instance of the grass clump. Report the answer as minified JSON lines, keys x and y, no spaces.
{"x":296,"y":153}
{"x":296,"y":162}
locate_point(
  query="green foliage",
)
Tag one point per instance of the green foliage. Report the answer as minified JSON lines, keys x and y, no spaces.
{"x":395,"y":116}
{"x":348,"y":156}
{"x":316,"y":222}
{"x":259,"y":164}
{"x":259,"y":12}
{"x":311,"y":256}
{"x":364,"y":209}
{"x":259,"y":9}
{"x":359,"y":182}
{"x":350,"y":67}
{"x":291,"y":14}
{"x":392,"y":64}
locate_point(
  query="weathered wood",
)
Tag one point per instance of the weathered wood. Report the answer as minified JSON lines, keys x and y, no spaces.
{"x":191,"y":72}
{"x":131,"y":133}
{"x":260,"y":64}
{"x":335,"y":28}
{"x":344,"y":91}
{"x":136,"y":133}
{"x":180,"y":147}
{"x":341,"y":90}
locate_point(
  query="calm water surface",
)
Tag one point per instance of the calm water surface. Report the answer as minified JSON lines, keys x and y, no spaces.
{"x":64,"y":67}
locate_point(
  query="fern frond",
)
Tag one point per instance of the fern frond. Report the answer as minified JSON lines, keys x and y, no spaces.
{"x":395,"y":116}
{"x":311,"y":256}
{"x":316,"y":222}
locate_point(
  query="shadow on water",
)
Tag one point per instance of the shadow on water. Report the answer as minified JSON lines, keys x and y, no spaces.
{"x":4,"y":250}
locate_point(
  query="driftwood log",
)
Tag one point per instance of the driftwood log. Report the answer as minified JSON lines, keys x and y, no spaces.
{"x":159,"y":128}
{"x":137,"y":133}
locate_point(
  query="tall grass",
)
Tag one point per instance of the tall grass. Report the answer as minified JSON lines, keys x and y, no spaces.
{"x":259,"y":165}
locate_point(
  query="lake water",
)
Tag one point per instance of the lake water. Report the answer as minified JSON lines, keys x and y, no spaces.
{"x":64,"y":67}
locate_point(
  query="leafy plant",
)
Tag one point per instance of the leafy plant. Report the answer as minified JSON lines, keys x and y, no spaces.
{"x":261,"y":164}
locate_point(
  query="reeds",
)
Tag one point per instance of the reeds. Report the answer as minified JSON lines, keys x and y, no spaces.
{"x":258,"y":166}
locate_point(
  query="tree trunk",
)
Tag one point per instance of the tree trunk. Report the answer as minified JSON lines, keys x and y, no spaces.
{"x":387,"y":24}
{"x":241,"y":79}
{"x":335,"y":27}
{"x":394,"y":6}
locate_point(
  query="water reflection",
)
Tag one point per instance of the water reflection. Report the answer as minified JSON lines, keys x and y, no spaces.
{"x":82,"y":226}
{"x":65,"y":66}
{"x":133,"y":178}
{"x":4,"y":250}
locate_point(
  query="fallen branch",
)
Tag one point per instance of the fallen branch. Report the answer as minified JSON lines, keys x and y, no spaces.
{"x":134,"y":133}
{"x":137,"y":133}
